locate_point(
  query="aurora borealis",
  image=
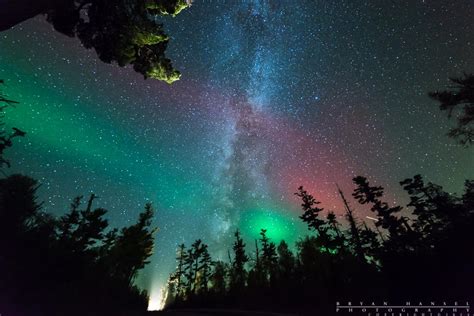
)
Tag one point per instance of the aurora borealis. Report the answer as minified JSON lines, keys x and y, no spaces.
{"x":274,"y":95}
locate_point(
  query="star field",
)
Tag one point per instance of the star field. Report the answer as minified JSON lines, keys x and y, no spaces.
{"x":274,"y":95}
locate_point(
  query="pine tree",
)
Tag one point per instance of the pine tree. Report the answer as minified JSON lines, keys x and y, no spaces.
{"x":189,"y":271}
{"x":205,"y":266}
{"x":238,"y":273}
{"x":311,"y":218}
{"x":428,"y":201}
{"x":6,"y":138}
{"x":353,"y":228}
{"x":269,"y":256}
{"x":367,"y":194}
{"x":133,"y":247}
{"x":286,"y":262}
{"x":177,"y":278}
{"x":311,"y":211}
{"x":197,"y":249}
{"x":83,"y":228}
{"x":333,"y":223}
{"x":18,"y":204}
{"x":370,"y":243}
{"x":462,"y":99}
{"x":218,"y":278}
{"x":256,"y":276}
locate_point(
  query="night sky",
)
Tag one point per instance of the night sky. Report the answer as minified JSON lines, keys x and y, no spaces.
{"x":273,"y":95}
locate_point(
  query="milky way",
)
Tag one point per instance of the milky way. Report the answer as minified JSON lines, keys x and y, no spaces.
{"x":274,"y":95}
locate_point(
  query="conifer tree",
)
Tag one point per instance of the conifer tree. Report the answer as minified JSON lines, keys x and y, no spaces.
{"x":6,"y":139}
{"x":460,"y":103}
{"x":189,"y":271}
{"x":238,"y":272}
{"x":367,"y":194}
{"x":269,"y":256}
{"x":286,"y":262}
{"x":311,"y":216}
{"x":197,"y":249}
{"x":354,"y":230}
{"x":311,"y":211}
{"x":134,"y":246}
{"x":428,"y":201}
{"x":205,"y":267}
{"x":178,"y":276}
{"x":218,"y":278}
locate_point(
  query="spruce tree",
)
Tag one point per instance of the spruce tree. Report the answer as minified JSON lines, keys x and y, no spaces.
{"x":286,"y":263}
{"x":218,"y":278}
{"x":177,"y":278}
{"x":459,"y":102}
{"x":205,"y":268}
{"x":238,"y":273}
{"x":367,"y":194}
{"x":269,"y":256}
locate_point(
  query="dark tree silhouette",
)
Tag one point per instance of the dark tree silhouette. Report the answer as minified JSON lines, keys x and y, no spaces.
{"x":311,"y":211}
{"x":19,"y":206}
{"x":133,"y":246}
{"x":427,"y":202}
{"x":189,"y":271}
{"x":193,"y":275}
{"x":177,"y":278}
{"x":76,"y":257}
{"x":218,"y":279}
{"x":327,"y":231}
{"x":370,"y":244}
{"x":352,"y":261}
{"x":238,"y":274}
{"x":354,"y":232}
{"x":256,"y":276}
{"x":197,"y":249}
{"x":367,"y":194}
{"x":459,"y":101}
{"x":269,"y":257}
{"x":82,"y":229}
{"x":193,"y":272}
{"x":205,"y":267}
{"x":6,"y":138}
{"x":286,"y":264}
{"x":121,"y":31}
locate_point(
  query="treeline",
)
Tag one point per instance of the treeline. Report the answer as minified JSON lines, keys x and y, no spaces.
{"x":68,"y":265}
{"x":422,"y":252}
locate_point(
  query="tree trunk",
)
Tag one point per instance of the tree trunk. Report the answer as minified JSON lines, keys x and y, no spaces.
{"x":13,"y":12}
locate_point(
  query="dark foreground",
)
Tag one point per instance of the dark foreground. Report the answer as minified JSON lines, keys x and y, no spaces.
{"x":215,"y":312}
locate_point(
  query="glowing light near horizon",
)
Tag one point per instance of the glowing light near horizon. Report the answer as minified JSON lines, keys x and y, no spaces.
{"x":157,"y":299}
{"x":278,"y":225}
